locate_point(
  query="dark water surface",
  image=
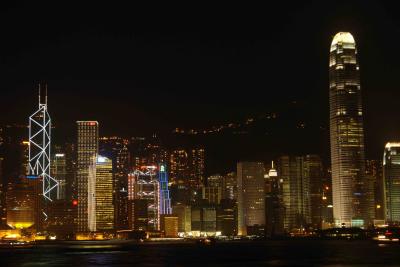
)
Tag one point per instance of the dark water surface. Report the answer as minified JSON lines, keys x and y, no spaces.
{"x":257,"y":253}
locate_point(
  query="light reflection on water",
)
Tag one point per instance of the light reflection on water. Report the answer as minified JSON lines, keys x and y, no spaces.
{"x":270,"y":253}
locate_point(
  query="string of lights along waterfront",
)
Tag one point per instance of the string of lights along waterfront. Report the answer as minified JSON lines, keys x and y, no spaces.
{"x":97,"y":187}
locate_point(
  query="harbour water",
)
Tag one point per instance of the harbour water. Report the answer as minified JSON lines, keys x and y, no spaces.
{"x":251,"y":253}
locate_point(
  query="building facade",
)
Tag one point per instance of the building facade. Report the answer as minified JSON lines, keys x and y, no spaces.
{"x":391,"y":180}
{"x":104,"y":194}
{"x":352,"y":203}
{"x":251,"y":195}
{"x":87,"y":151}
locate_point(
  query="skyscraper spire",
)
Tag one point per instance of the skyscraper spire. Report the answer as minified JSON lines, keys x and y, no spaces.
{"x":39,"y":94}
{"x":45,"y":102}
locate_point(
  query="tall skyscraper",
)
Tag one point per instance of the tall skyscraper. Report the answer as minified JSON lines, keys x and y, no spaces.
{"x":165,"y":201}
{"x":374,"y":171}
{"x":351,"y":204}
{"x":274,"y":207}
{"x":251,"y":196}
{"x":87,"y":151}
{"x":197,"y":167}
{"x":144,"y":198}
{"x":39,"y":149}
{"x":391,"y":179}
{"x":296,"y":192}
{"x":187,"y":173}
{"x":116,"y":149}
{"x":313,"y":170}
{"x":104,"y":194}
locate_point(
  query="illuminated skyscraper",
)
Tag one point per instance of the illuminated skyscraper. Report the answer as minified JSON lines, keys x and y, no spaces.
{"x":197,"y":168}
{"x":296,"y":191}
{"x":274,"y":207}
{"x":104,"y":194}
{"x":116,"y":149}
{"x":87,"y":150}
{"x":391,"y":179}
{"x":39,"y":149}
{"x":251,"y":196}
{"x":59,"y":170}
{"x":352,"y":205}
{"x":144,"y":198}
{"x":165,"y":201}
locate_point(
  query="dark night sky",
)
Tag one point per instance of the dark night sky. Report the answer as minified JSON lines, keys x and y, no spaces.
{"x":140,"y":69}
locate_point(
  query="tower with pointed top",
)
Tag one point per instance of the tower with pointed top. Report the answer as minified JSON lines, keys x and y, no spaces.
{"x":40,"y":149}
{"x":352,"y":199}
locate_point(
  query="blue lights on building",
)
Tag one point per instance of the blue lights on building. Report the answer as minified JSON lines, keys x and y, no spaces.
{"x":165,"y":201}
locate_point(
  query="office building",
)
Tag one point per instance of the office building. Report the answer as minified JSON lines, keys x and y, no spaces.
{"x":184,"y":214}
{"x":59,"y":171}
{"x":143,"y":185}
{"x":352,"y":203}
{"x":227,"y":217}
{"x":374,"y":172}
{"x":391,"y":180}
{"x":251,"y":196}
{"x":104,"y":194}
{"x":274,"y":207}
{"x":295,"y":192}
{"x":87,"y":151}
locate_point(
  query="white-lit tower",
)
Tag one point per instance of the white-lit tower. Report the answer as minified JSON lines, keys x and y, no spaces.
{"x":39,"y":149}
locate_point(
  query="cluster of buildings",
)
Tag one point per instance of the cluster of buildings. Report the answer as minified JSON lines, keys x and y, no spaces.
{"x":111,"y":187}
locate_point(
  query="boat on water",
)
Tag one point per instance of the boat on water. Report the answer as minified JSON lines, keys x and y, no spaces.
{"x":15,"y":244}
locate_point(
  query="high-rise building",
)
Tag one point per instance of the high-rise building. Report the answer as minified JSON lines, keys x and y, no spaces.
{"x":204,"y":219}
{"x":87,"y":151}
{"x":227,"y":217}
{"x":59,"y":170}
{"x":104,"y":194}
{"x":274,"y":208}
{"x":179,"y":166}
{"x":197,"y":158}
{"x":143,"y":185}
{"x":187,"y":174}
{"x":230,"y":186}
{"x":374,"y":172}
{"x":391,"y":181}
{"x":71,"y":188}
{"x":184,"y":214}
{"x":116,"y":149}
{"x":296,"y":191}
{"x":251,"y":195}
{"x":165,"y":201}
{"x":313,"y":170}
{"x":352,"y":202}
{"x":39,"y":149}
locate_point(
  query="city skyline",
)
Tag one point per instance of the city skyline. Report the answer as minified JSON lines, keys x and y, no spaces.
{"x":239,"y":55}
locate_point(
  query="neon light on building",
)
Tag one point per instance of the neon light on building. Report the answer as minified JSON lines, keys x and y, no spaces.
{"x":165,"y":201}
{"x":144,"y":185}
{"x":39,"y":149}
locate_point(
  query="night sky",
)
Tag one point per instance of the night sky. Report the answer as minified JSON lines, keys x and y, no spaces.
{"x":144,"y":69}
